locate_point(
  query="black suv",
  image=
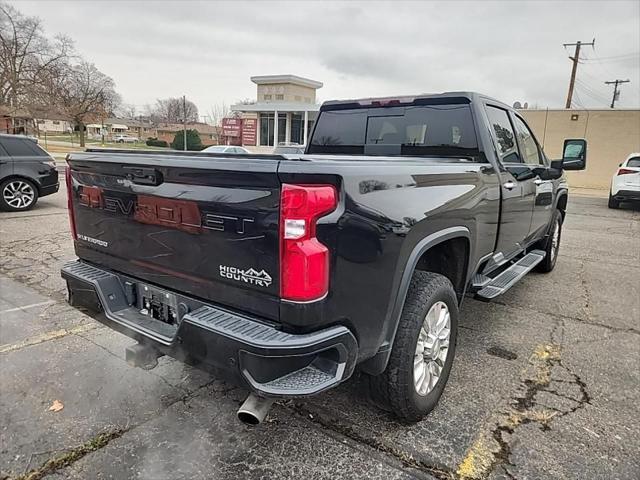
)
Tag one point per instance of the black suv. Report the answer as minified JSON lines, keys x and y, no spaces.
{"x":26,"y":173}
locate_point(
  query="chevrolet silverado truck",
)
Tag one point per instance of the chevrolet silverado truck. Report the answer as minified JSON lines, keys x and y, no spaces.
{"x":284,"y":273}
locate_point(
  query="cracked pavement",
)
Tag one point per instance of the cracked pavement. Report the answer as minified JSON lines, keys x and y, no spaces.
{"x":545,"y":382}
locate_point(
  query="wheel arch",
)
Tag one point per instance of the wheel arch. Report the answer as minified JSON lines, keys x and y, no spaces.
{"x":426,"y":254}
{"x":561,"y":202}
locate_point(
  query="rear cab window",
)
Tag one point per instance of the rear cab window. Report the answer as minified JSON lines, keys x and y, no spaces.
{"x":22,"y":147}
{"x":634,"y":162}
{"x":412,"y":130}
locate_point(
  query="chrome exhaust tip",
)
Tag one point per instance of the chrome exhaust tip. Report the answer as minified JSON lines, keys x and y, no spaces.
{"x":254,"y":409}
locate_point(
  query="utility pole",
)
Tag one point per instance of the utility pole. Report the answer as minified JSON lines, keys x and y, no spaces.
{"x":616,"y":92}
{"x":574,"y":69}
{"x":184,"y":121}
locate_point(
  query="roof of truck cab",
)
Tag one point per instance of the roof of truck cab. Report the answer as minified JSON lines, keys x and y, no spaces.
{"x":408,"y":99}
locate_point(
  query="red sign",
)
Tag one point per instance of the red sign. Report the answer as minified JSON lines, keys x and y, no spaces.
{"x":231,"y":127}
{"x":249,"y":131}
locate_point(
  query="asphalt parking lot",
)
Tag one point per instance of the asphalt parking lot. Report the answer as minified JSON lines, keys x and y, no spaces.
{"x":545,"y":384}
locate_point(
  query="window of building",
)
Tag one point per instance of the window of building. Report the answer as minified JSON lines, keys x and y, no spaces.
{"x":307,"y":100}
{"x":506,"y":139}
{"x":297,"y":128}
{"x":526,"y":140}
{"x":267,"y":128}
{"x":282,"y":127}
{"x":279,"y":96}
{"x":298,"y":98}
{"x":267,"y":97}
{"x":56,"y":122}
{"x":40,"y":122}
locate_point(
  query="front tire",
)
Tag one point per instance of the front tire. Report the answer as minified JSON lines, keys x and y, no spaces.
{"x":423,"y":349}
{"x":17,"y":195}
{"x":552,"y":245}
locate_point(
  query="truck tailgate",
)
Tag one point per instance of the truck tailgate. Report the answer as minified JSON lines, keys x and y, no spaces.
{"x":205,"y":226}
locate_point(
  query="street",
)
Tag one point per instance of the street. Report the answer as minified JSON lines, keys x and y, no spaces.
{"x":544,"y":385}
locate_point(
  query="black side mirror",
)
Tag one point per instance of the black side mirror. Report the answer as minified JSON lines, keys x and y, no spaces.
{"x":574,"y":154}
{"x":557,"y":164}
{"x":553,"y":172}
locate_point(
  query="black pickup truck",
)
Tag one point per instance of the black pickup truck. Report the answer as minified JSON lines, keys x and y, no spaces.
{"x":284,"y":273}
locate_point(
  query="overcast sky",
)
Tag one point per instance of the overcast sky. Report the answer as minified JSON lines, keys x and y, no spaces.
{"x":208,"y":50}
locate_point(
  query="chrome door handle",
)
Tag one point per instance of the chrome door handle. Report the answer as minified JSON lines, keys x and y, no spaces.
{"x":509,"y":185}
{"x":537,"y":181}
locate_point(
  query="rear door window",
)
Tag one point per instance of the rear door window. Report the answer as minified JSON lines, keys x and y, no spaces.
{"x":412,"y":130}
{"x":528,"y":145}
{"x":19,"y":147}
{"x":505,"y":136}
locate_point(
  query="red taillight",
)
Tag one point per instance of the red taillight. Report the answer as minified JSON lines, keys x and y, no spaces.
{"x":72,"y":215}
{"x":304,"y":261}
{"x":626,"y":171}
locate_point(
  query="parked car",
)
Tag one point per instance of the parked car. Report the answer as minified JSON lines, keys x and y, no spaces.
{"x":283,"y":274}
{"x":27,"y":172}
{"x":625,"y":185}
{"x":225,"y":149}
{"x":288,"y":149}
{"x":125,"y":139}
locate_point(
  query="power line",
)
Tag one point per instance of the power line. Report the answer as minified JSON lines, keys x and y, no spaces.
{"x":600,"y":66}
{"x":616,"y":93}
{"x":590,"y":91}
{"x":574,"y":68}
{"x":578,"y":103}
{"x":596,"y":100}
{"x":613,"y":58}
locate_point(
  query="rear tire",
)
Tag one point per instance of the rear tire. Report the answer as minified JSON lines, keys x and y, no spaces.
{"x":18,"y":195}
{"x":431,"y":304}
{"x":613,"y":203}
{"x":552,"y":244}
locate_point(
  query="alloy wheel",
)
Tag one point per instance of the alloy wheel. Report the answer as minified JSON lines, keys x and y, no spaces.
{"x":555,"y":240}
{"x":18,"y":194}
{"x":432,"y":348}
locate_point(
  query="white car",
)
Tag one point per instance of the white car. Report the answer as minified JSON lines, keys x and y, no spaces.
{"x":625,"y":185}
{"x":125,"y":139}
{"x":225,"y":149}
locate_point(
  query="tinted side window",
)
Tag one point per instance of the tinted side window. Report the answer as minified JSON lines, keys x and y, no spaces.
{"x":18,"y":147}
{"x":528,"y":146}
{"x":341,"y":131}
{"x":634,"y":162}
{"x":506,"y":139}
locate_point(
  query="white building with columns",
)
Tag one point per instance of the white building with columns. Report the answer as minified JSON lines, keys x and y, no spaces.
{"x":284,"y":112}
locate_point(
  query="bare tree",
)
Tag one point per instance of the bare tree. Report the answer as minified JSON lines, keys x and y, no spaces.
{"x":83,"y":93}
{"x":127,"y":110}
{"x":171,"y":110}
{"x":27,"y":57}
{"x":218,"y":112}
